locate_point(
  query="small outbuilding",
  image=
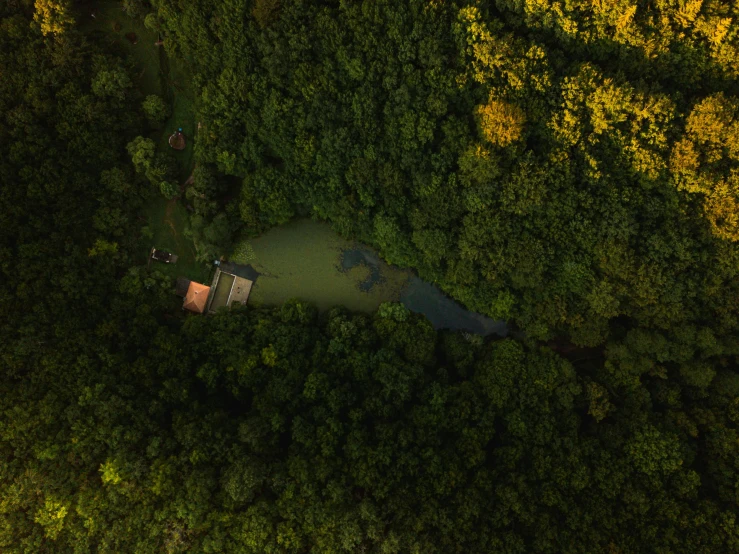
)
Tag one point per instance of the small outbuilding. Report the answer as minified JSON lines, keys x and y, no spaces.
{"x":177,"y":140}
{"x":163,"y":256}
{"x":196,"y":299}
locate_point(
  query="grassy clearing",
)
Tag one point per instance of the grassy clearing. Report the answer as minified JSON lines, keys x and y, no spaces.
{"x":182,"y":99}
{"x":113,"y":25}
{"x":303,"y":260}
{"x":155,"y":73}
{"x":167,"y":221}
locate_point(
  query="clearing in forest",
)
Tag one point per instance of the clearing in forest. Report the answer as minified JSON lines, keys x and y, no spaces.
{"x":156,"y":73}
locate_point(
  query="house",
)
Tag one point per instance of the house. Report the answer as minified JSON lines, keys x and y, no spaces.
{"x":196,"y":299}
{"x":226,"y":289}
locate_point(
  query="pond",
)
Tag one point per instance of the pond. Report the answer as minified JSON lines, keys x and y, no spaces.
{"x":306,"y":259}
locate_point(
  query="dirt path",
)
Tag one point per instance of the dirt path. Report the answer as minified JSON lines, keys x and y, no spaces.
{"x":168,"y":219}
{"x":183,"y":245}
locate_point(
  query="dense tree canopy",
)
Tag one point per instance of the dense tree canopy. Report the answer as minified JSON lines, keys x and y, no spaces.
{"x":279,"y":431}
{"x":568,"y":166}
{"x":68,"y":196}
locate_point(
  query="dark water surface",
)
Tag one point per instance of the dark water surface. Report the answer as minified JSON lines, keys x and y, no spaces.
{"x":424,"y":298}
{"x":444,"y":313}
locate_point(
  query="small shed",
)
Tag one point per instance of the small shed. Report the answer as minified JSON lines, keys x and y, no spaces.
{"x":163,"y":256}
{"x":182,"y":286}
{"x":196,"y":299}
{"x":177,"y":140}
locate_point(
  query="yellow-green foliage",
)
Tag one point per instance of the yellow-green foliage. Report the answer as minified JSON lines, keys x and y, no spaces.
{"x":51,"y":516}
{"x":501,"y":123}
{"x":705,"y":161}
{"x":54,"y":16}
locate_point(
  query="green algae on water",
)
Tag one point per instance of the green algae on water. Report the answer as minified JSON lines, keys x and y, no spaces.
{"x":304,"y":260}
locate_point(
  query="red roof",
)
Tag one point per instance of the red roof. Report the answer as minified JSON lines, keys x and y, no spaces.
{"x":197,"y":298}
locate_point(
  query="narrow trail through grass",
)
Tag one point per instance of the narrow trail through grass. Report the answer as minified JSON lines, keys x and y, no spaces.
{"x":156,"y":73}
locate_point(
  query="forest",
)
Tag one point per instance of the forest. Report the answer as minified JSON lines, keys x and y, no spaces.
{"x":570,"y":167}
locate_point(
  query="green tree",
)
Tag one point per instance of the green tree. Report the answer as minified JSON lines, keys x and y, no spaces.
{"x":136,"y":9}
{"x":157,"y":111}
{"x":113,"y":83}
{"x":169,"y":190}
{"x":501,"y":123}
{"x":142,"y":151}
{"x":54,"y":16}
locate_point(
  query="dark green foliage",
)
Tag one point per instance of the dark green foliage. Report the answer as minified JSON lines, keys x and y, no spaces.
{"x":570,"y":166}
{"x":211,"y":237}
{"x":205,"y":190}
{"x":136,"y":8}
{"x":68,"y":196}
{"x":213,"y":222}
{"x":157,"y":167}
{"x":279,"y":431}
{"x":156,"y":109}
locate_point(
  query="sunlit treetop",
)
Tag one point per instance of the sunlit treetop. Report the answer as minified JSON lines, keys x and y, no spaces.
{"x":54,"y":16}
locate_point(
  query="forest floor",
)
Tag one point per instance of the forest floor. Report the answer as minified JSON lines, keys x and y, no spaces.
{"x":156,"y":73}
